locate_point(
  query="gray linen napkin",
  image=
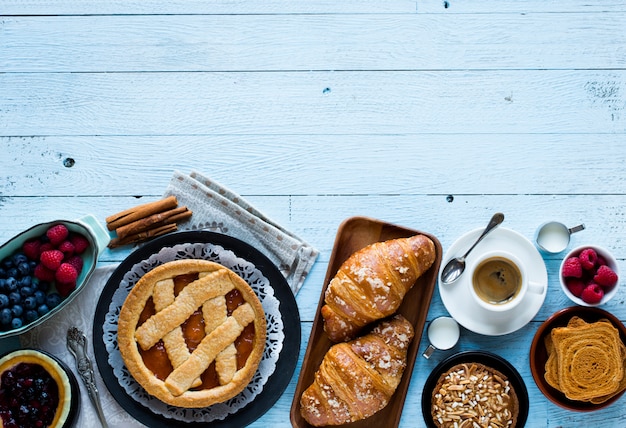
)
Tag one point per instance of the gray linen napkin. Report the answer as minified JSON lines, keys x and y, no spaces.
{"x":218,"y":209}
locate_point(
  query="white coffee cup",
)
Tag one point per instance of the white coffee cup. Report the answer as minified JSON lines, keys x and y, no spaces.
{"x":499,"y":281}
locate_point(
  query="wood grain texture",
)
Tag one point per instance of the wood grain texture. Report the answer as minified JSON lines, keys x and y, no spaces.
{"x":90,"y":7}
{"x":472,"y":102}
{"x":306,"y":42}
{"x":306,"y":165}
{"x":428,"y":114}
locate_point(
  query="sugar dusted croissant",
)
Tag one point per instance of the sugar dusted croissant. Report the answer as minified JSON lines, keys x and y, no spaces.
{"x":357,"y":379}
{"x":372,"y":282}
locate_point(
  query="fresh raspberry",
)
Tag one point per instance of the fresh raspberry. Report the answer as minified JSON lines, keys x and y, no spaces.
{"x":32,"y":249}
{"x":80,"y":243}
{"x":606,"y":277}
{"x":77,"y":262}
{"x":575,"y":286}
{"x":57,"y":234}
{"x":572,"y":268}
{"x":66,"y":273}
{"x":65,"y":288}
{"x":51,"y":259}
{"x":592,"y":294}
{"x":42,"y":273}
{"x":601,"y":261}
{"x":67,"y":248}
{"x":46,"y":246}
{"x":588,"y":258}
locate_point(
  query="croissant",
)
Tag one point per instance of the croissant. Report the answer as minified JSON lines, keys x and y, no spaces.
{"x":372,"y":282}
{"x":357,"y":379}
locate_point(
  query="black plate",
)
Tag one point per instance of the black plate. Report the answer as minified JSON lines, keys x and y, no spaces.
{"x":488,"y":359}
{"x":285,"y":366}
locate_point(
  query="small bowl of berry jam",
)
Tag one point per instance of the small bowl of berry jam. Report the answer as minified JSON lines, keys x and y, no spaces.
{"x":43,"y":268}
{"x":37,"y":390}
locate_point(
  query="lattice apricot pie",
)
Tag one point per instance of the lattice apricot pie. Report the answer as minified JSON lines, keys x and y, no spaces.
{"x":192,"y":333}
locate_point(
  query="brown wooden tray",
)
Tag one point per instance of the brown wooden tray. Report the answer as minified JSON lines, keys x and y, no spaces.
{"x":353,"y":234}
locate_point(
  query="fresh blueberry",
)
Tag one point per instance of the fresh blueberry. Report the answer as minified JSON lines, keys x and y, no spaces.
{"x":15,"y":298}
{"x":17,"y":311}
{"x":6,"y":316}
{"x":3,"y":284}
{"x":4,"y":301}
{"x":3,"y":272}
{"x":19,"y":258}
{"x":40,"y":296}
{"x":7,"y":263}
{"x":53,"y":300}
{"x":12,"y":272}
{"x":24,"y":268}
{"x":25,"y":281}
{"x":30,"y":302}
{"x":31,"y":315}
{"x":26,"y":291}
{"x":43,"y":309}
{"x":11,"y":284}
{"x":17,"y":322}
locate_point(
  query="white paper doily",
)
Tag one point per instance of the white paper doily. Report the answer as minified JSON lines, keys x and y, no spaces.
{"x":254,"y":278}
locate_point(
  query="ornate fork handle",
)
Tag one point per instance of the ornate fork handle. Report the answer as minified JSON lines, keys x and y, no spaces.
{"x":77,"y":345}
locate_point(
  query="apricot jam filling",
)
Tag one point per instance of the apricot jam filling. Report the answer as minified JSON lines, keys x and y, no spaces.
{"x":156,"y":358}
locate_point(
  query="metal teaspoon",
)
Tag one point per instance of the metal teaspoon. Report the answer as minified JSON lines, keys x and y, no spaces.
{"x":77,"y":345}
{"x":455,"y":267}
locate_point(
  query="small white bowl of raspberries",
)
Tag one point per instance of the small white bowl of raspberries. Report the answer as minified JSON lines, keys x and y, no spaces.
{"x":589,"y":275}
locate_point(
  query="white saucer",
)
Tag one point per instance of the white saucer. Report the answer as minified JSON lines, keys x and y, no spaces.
{"x":461,"y":305}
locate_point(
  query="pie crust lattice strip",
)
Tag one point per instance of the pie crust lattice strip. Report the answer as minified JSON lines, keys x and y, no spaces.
{"x":192,"y":333}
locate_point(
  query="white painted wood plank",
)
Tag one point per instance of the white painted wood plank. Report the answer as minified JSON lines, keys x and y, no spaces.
{"x":435,"y":164}
{"x":469,"y":102}
{"x":219,"y":7}
{"x":93,"y":7}
{"x":316,"y":218}
{"x":312,"y":42}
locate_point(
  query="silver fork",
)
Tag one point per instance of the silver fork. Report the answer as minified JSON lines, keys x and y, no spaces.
{"x":77,"y":345}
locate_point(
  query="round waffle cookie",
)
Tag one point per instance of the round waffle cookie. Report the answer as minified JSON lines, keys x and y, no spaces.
{"x":192,"y":333}
{"x":473,"y":394}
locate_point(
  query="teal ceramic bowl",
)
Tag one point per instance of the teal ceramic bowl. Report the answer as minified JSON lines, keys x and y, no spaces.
{"x":87,"y":226}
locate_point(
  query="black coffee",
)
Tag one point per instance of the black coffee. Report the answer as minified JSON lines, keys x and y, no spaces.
{"x":497,"y":280}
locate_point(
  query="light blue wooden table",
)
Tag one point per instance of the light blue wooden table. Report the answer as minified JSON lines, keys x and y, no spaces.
{"x":428,"y":114}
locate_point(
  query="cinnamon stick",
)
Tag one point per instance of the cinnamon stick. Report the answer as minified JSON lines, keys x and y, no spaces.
{"x":135,"y":213}
{"x":170,"y":216}
{"x":143,"y":236}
